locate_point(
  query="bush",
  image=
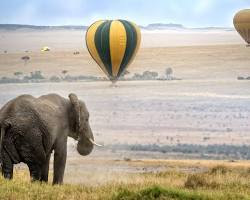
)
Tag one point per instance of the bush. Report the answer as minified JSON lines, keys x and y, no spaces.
{"x":240,"y":78}
{"x":127,"y":159}
{"x":70,"y":78}
{"x":147,"y":75}
{"x":55,"y":79}
{"x":36,"y":75}
{"x":157,"y":192}
{"x":195,"y":181}
{"x":25,"y":58}
{"x":219,"y":169}
{"x":10,"y":80}
{"x":202,"y":180}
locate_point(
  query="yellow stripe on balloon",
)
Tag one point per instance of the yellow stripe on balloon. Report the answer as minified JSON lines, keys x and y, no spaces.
{"x":90,"y":40}
{"x":118,"y":41}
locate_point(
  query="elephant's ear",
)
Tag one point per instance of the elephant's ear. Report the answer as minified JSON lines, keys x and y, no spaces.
{"x":76,"y":109}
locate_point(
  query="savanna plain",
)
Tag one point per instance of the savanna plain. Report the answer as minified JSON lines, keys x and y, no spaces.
{"x":184,"y":138}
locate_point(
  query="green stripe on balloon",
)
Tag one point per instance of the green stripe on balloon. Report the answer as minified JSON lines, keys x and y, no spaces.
{"x":102,"y":45}
{"x":131,"y":44}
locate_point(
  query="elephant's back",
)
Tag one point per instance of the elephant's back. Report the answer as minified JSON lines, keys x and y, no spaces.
{"x":49,"y":110}
{"x":26,"y":108}
{"x":15,"y":107}
{"x":53,"y":104}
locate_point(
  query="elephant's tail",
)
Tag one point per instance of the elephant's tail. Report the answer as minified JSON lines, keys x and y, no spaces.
{"x":3,"y":125}
{"x":1,"y":139}
{"x":1,"y":144}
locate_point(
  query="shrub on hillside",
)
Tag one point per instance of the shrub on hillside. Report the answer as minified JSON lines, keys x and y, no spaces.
{"x":55,"y":79}
{"x":220,"y":169}
{"x":201,"y":180}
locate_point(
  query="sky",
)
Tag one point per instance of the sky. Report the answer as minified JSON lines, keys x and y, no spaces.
{"x":190,"y":13}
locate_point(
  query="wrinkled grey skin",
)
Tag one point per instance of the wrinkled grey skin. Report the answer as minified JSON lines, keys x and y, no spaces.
{"x":31,"y":128}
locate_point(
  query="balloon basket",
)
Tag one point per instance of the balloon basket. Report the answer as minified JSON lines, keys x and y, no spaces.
{"x":113,"y":84}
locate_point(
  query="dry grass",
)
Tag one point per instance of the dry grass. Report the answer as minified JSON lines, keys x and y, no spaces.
{"x":221,"y":181}
{"x":190,"y":62}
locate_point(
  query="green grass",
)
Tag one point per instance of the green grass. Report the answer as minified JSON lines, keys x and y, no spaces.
{"x":217,"y":183}
{"x":158,"y":192}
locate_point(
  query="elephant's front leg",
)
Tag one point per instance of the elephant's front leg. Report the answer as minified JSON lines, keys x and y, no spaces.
{"x":59,"y":162}
{"x":35,"y":171}
{"x":45,"y":169}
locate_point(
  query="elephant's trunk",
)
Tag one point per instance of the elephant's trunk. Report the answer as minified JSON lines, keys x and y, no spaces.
{"x":84,"y":145}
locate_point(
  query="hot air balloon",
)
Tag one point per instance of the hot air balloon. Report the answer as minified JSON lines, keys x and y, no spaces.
{"x":113,"y":44}
{"x":242,"y":24}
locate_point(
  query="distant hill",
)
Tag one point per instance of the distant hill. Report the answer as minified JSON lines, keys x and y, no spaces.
{"x":180,"y":27}
{"x":14,"y":27}
{"x":160,"y":26}
{"x":150,"y":27}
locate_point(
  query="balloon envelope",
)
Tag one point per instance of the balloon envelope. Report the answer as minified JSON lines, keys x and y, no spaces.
{"x":113,"y":45}
{"x":242,"y":24}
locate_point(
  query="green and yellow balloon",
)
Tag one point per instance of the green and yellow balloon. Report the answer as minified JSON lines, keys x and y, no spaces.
{"x":242,"y":24}
{"x":113,"y":44}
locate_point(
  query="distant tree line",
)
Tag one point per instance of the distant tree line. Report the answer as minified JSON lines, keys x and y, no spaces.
{"x":202,"y":151}
{"x":37,"y":77}
{"x":151,"y":75}
{"x":243,"y":78}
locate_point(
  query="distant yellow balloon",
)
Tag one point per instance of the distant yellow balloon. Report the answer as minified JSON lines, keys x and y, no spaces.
{"x":242,"y":24}
{"x":45,"y":49}
{"x":113,"y":44}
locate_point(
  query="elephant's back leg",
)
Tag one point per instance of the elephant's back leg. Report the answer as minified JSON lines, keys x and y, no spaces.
{"x":45,"y":169}
{"x":30,"y":147}
{"x":7,"y":165}
{"x":35,"y":171}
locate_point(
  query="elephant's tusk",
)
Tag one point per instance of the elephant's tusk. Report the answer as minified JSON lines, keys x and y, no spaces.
{"x":93,"y":142}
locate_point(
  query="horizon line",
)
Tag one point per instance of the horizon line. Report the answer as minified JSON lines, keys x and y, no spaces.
{"x":159,"y":23}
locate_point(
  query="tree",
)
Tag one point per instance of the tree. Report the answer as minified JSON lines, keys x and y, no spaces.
{"x":148,"y":75}
{"x":55,"y":79}
{"x":124,"y":74}
{"x":18,"y":74}
{"x":169,"y":72}
{"x":64,"y":72}
{"x":36,"y":75}
{"x":25,"y":59}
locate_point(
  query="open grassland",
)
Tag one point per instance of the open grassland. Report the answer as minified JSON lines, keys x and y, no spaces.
{"x":212,"y":62}
{"x":209,"y":106}
{"x":217,"y":180}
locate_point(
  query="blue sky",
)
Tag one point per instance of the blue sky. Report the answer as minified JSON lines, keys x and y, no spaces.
{"x":190,"y":13}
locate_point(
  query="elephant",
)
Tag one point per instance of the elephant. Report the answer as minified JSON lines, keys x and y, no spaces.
{"x":31,"y":128}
